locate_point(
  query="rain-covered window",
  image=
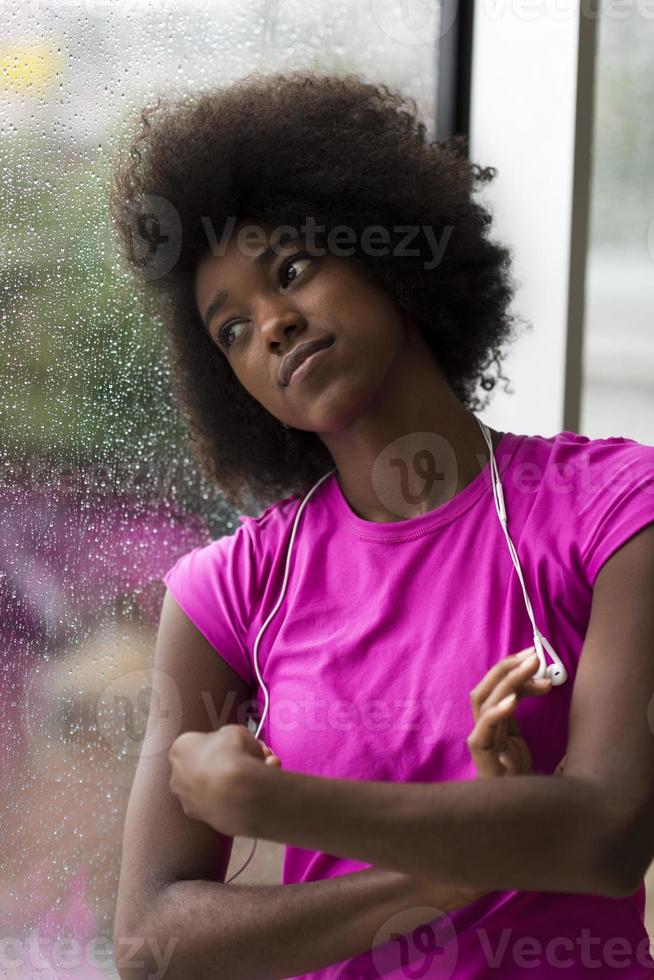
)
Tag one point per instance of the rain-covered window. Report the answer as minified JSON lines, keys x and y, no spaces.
{"x":100,"y":492}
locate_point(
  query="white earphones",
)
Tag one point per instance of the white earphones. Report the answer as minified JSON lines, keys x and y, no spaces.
{"x":556,"y":671}
{"x":256,"y":642}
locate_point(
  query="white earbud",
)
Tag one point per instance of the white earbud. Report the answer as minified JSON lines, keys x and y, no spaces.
{"x":556,"y":671}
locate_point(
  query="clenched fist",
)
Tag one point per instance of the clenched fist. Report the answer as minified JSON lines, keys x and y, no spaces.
{"x":214,"y":774}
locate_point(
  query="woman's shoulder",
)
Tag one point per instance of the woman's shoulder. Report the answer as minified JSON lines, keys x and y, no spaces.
{"x":587,"y":495}
{"x":274,"y":515}
{"x":269,"y":528}
{"x":219,"y":583}
{"x":570,"y":443}
{"x":250,"y":542}
{"x":570,"y":460}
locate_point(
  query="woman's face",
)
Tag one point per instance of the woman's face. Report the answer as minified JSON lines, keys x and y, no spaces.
{"x":285,"y":299}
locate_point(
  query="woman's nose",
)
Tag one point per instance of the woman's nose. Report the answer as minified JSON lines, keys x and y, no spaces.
{"x":280,"y":323}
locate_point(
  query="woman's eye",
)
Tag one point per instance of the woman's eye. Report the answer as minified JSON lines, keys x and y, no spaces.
{"x":293,"y":260}
{"x":222,"y":333}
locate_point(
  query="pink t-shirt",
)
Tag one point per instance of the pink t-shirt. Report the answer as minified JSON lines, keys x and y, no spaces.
{"x":384,"y":630}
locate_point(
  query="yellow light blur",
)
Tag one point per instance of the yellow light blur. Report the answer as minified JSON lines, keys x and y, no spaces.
{"x":29,"y":67}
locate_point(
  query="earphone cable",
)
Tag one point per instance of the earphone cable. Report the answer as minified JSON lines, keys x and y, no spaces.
{"x":263,"y":628}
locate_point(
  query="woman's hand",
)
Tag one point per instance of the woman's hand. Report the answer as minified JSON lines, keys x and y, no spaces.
{"x":213,"y":773}
{"x":495,"y":743}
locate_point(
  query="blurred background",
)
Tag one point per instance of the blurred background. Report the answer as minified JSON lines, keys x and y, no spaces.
{"x":98,"y":489}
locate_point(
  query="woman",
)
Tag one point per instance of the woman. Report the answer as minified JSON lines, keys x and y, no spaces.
{"x":301,"y":209}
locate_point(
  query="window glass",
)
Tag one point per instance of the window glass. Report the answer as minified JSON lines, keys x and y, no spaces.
{"x":99,"y":491}
{"x":618,"y":364}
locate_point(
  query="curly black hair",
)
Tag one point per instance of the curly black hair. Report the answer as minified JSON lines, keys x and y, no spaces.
{"x":279,"y":148}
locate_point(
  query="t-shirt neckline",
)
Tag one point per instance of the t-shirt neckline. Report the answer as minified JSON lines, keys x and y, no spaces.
{"x":446,"y":513}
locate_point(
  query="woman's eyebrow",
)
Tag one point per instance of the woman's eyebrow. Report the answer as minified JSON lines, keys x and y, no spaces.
{"x":222,"y":295}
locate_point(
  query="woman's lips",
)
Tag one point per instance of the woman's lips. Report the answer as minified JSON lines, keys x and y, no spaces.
{"x":307,"y":364}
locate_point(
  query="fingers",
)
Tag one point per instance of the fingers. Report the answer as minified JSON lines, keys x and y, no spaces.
{"x":240,"y":739}
{"x":511,"y":766}
{"x":269,"y":756}
{"x":513,"y":675}
{"x":484,"y":734}
{"x":517,"y":758}
{"x":489,"y":735}
{"x":491,"y":730}
{"x":497,"y":672}
{"x":495,"y":743}
{"x":519,"y":681}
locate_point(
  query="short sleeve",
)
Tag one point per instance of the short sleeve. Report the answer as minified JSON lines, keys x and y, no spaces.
{"x":616,"y":500}
{"x":216,"y":586}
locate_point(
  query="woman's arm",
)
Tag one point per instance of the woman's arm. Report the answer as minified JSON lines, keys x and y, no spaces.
{"x":205,"y":929}
{"x":411,"y":827}
{"x":531,"y":833}
{"x":272,"y":931}
{"x":590,"y":830}
{"x":171,"y":918}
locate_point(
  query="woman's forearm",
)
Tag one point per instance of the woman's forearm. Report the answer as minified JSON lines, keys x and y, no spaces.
{"x":205,"y":929}
{"x":534,"y":832}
